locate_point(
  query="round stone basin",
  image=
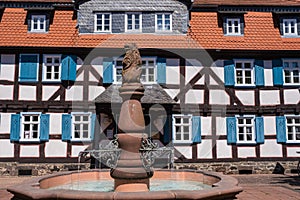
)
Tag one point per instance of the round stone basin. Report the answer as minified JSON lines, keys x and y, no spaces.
{"x":97,"y":184}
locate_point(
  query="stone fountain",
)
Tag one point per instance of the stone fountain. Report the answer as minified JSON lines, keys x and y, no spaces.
{"x":130,"y":157}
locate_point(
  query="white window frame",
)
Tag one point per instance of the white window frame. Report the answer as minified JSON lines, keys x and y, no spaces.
{"x":245,"y":126}
{"x":147,"y":59}
{"x":163,"y":22}
{"x":244,"y":71}
{"x":23,"y":138}
{"x":52,"y":56}
{"x":103,"y":22}
{"x":174,"y":124}
{"x":89,"y":122}
{"x":289,"y":27}
{"x":133,"y":22}
{"x":291,"y":69}
{"x":38,"y":29}
{"x":293,"y":125}
{"x":233,"y":20}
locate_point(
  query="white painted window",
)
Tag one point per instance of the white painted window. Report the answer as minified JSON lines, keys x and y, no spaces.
{"x":38,"y":23}
{"x":102,"y":22}
{"x":246,"y":129}
{"x":291,"y":71}
{"x":163,"y":22}
{"x":244,"y":75}
{"x":293,"y":129}
{"x":182,"y":128}
{"x":148,"y":75}
{"x":133,"y":22}
{"x":30,"y":127}
{"x":81,"y":126}
{"x":290,"y":27}
{"x":233,"y":26}
{"x":51,"y":67}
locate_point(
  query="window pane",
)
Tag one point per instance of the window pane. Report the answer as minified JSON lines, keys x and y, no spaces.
{"x":85,"y":134}
{"x":249,"y":137}
{"x":241,"y":121}
{"x":85,"y":118}
{"x":177,"y":120}
{"x":35,"y":118}
{"x":241,"y":137}
{"x":186,"y":136}
{"x":185,"y":120}
{"x":241,"y":130}
{"x":77,"y":118}
{"x":290,"y":137}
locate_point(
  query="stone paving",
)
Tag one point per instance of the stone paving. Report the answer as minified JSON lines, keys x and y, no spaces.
{"x":256,"y":187}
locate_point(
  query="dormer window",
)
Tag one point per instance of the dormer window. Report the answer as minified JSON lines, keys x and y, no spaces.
{"x":38,"y":23}
{"x":102,"y":22}
{"x":163,"y":22}
{"x":233,"y":26}
{"x":290,"y":27}
{"x":133,"y":22}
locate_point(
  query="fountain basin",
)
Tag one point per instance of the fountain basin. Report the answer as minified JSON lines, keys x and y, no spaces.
{"x":222,"y":187}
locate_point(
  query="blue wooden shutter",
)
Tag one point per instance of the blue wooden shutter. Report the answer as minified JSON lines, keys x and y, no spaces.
{"x":277,"y":72}
{"x":167,"y":130}
{"x":281,"y":129}
{"x":108,"y":71}
{"x":28,"y":68}
{"x":93,"y":122}
{"x":15,"y":127}
{"x":66,"y":127}
{"x":68,"y":67}
{"x":231,"y":130}
{"x":229,"y":73}
{"x":196,"y":129}
{"x":161,"y":70}
{"x":44,"y":127}
{"x":259,"y":130}
{"x":259,"y":73}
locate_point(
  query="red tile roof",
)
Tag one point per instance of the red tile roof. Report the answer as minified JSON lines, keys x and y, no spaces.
{"x":248,"y":2}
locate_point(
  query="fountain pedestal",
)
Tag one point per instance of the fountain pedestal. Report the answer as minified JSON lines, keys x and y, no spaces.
{"x":130,"y":173}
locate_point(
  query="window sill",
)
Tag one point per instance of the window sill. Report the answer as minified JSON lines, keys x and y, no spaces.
{"x":246,"y":143}
{"x":29,"y":141}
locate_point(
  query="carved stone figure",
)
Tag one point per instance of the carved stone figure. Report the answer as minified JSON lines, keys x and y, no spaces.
{"x":132,"y":63}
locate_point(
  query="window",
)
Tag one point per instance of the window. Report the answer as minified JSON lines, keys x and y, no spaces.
{"x":38,"y":23}
{"x":163,"y":22}
{"x":81,"y":126}
{"x":52,"y":65}
{"x":182,"y":128}
{"x":244,"y":72}
{"x":290,"y":27}
{"x":29,"y":127}
{"x":102,"y":22}
{"x":293,"y":129}
{"x":133,"y":22}
{"x":148,"y":70}
{"x":233,"y":26}
{"x":245,"y":130}
{"x":291,"y":71}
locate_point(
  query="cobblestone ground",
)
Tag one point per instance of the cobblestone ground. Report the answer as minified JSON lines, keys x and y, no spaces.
{"x":256,"y":187}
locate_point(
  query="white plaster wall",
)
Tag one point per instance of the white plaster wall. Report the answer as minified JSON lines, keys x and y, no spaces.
{"x":218,"y":69}
{"x":270,"y":149}
{"x":269,"y":125}
{"x":48,"y":91}
{"x":29,"y":151}
{"x":6,"y":149}
{"x":76,"y":149}
{"x":75,"y":93}
{"x":246,"y":152}
{"x":79,"y":65}
{"x":186,"y":151}
{"x":172,"y":71}
{"x":221,"y":125}
{"x":5,"y":123}
{"x":172,"y":92}
{"x":269,"y":97}
{"x":191,"y":71}
{"x":7,"y":68}
{"x":95,"y":91}
{"x":194,"y":97}
{"x":268,"y":73}
{"x":27,"y":93}
{"x":97,"y":64}
{"x":246,"y":97}
{"x":6,"y":92}
{"x":218,"y":97}
{"x":205,"y":125}
{"x":291,"y":96}
{"x":223,"y":149}
{"x":55,"y":123}
{"x":292,"y":152}
{"x":205,"y":149}
{"x":56,"y":148}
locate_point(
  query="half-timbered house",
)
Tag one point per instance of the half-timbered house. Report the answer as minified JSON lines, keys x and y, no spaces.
{"x":221,"y":81}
